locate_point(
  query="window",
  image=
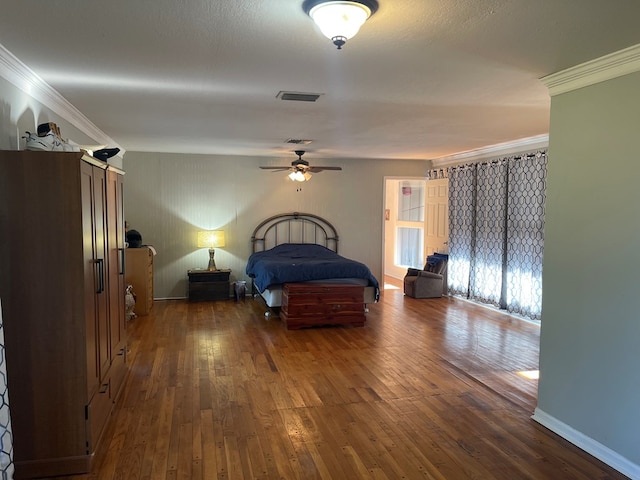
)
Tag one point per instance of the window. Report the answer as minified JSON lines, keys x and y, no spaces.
{"x":410,"y":225}
{"x":411,"y":202}
{"x":409,"y":247}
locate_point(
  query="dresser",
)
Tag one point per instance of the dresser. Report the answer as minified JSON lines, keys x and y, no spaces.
{"x":139,"y":274}
{"x":316,"y":304}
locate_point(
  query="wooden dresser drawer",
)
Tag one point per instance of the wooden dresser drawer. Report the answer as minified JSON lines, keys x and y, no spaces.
{"x":314,"y":304}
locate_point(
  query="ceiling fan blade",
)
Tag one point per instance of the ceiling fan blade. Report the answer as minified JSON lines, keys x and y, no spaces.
{"x":319,"y":169}
{"x":281,"y":169}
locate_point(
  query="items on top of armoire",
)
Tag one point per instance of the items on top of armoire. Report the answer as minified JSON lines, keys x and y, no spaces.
{"x":48,"y":138}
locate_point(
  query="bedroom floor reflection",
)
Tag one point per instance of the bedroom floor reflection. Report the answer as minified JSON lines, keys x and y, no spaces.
{"x":392,"y":283}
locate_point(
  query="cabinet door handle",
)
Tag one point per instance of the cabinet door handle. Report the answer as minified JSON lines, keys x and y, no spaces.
{"x":104,"y":388}
{"x":121,"y":266}
{"x":100,"y":262}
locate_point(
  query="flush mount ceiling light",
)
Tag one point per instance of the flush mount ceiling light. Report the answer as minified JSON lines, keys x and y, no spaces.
{"x":339,"y":20}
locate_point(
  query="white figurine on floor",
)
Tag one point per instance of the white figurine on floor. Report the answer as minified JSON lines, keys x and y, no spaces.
{"x":129,"y":303}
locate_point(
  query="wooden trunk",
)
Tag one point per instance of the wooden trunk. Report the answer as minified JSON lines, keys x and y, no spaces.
{"x":317,"y":304}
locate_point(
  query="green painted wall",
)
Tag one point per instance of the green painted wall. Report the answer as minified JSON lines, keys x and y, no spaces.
{"x":590,"y":334}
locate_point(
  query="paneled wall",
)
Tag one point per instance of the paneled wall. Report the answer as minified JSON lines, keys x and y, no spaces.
{"x":169,"y":197}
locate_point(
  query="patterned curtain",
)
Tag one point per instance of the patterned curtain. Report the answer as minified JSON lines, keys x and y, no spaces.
{"x":462,"y":226}
{"x":496,"y":225}
{"x":491,"y":203}
{"x":525,"y":242}
{"x":6,"y":433}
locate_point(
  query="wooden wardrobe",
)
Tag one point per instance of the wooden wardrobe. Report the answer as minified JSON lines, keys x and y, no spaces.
{"x":62,"y":291}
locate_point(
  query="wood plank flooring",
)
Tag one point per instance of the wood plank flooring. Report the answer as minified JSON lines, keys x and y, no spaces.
{"x":426,"y":389}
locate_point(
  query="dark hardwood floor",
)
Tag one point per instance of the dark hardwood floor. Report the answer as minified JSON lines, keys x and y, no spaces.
{"x":426,"y":389}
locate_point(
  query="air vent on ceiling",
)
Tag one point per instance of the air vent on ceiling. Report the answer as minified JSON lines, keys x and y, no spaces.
{"x":298,"y":96}
{"x":298,"y":141}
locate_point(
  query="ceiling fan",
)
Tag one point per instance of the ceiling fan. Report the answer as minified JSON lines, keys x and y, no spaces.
{"x":300,"y":169}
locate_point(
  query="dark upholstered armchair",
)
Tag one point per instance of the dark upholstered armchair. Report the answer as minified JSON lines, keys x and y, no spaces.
{"x":431,"y":282}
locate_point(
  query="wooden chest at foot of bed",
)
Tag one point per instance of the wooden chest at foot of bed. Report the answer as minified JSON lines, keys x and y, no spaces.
{"x":316,"y":304}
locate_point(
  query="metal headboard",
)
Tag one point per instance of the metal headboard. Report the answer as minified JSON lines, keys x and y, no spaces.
{"x":294,"y":228}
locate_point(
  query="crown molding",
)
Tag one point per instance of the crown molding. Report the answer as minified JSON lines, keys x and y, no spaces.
{"x":594,"y":71}
{"x":493,"y":151}
{"x":18,"y":74}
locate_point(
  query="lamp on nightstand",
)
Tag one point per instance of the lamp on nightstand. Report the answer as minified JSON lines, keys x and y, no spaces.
{"x":211,"y":239}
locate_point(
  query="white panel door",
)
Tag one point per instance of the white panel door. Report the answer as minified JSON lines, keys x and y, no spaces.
{"x":437,"y":216}
{"x":404,"y":225}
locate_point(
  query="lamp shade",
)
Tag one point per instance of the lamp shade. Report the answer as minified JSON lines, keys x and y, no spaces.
{"x":211,"y":239}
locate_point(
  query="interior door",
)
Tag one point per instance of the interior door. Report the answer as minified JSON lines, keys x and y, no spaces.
{"x":404,"y":225}
{"x":428,"y":233}
{"x":437,"y":216}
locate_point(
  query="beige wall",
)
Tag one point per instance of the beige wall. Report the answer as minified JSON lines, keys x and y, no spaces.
{"x":590,"y":334}
{"x":169,"y":197}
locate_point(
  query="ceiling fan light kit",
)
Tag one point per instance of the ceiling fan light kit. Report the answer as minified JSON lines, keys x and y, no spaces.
{"x":339,"y":20}
{"x":300,"y":176}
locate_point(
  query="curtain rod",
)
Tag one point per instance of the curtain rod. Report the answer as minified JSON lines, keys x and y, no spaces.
{"x":497,"y":160}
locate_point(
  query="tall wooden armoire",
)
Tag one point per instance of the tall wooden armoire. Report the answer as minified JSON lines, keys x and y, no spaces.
{"x":62,"y":291}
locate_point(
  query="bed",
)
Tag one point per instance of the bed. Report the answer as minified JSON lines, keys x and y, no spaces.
{"x":298,"y":252}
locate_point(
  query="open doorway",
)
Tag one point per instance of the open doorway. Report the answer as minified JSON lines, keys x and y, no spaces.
{"x":416,"y":224}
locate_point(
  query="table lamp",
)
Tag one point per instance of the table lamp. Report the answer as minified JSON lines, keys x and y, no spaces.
{"x":211,"y":239}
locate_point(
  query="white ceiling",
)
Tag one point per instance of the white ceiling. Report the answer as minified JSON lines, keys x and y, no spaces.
{"x":423,"y":78}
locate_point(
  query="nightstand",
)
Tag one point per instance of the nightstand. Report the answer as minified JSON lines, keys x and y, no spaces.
{"x":205,"y":285}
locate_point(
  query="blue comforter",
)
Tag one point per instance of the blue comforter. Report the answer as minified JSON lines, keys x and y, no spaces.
{"x":295,"y":262}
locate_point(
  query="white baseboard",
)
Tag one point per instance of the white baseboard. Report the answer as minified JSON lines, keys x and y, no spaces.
{"x":605,"y":454}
